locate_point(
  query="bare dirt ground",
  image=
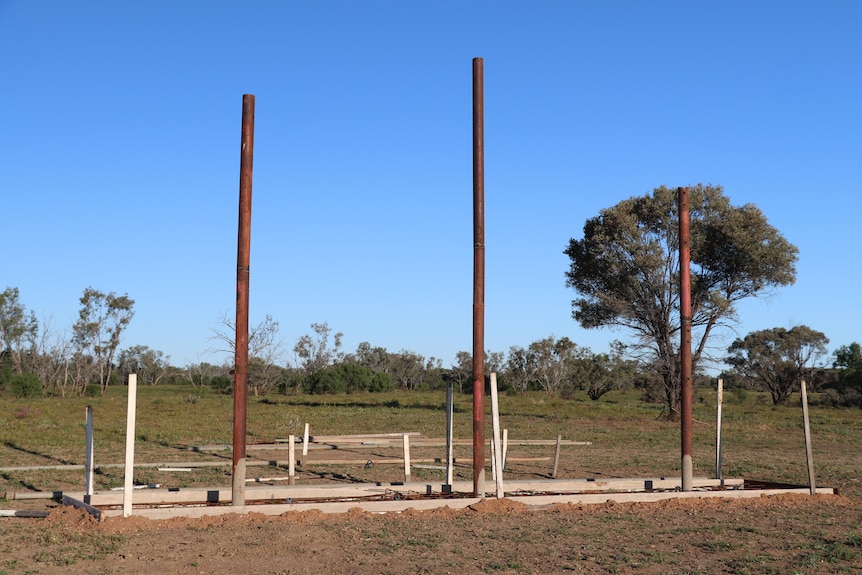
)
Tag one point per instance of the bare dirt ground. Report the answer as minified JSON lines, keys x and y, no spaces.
{"x":784,"y":534}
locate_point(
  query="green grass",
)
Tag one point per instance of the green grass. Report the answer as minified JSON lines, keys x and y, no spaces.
{"x":628,"y":436}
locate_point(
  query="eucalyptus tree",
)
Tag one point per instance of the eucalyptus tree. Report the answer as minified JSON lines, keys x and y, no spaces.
{"x":552,"y":363}
{"x":600,"y":373}
{"x":408,"y":369}
{"x":18,"y":328}
{"x":375,"y":358}
{"x":151,"y":365}
{"x":848,"y":362}
{"x":314,"y":351}
{"x":625,"y":270}
{"x":778,"y":358}
{"x":519,"y":368}
{"x":461,"y":372}
{"x":101,"y":322}
{"x":265,"y":351}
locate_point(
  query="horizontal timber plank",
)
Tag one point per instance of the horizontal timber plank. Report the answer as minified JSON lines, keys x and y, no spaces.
{"x":276,"y":492}
{"x":337,"y":507}
{"x":368,"y":442}
{"x":75,"y":467}
{"x":358,"y":437}
{"x":535,"y":502}
{"x":394,"y":460}
{"x":591,"y":498}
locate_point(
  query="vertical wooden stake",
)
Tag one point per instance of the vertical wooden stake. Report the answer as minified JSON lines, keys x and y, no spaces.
{"x":291,"y":458}
{"x":718,"y":402}
{"x":450,"y":405}
{"x":492,"y":451}
{"x":88,"y":467}
{"x":505,"y":447}
{"x":557,"y":456}
{"x":406,"y":439}
{"x":130,"y":445}
{"x":305,"y":442}
{"x":498,"y":451}
{"x":808,"y":453}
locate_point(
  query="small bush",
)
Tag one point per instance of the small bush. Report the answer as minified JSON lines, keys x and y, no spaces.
{"x":222,"y":384}
{"x":25,"y":385}
{"x":830,"y":398}
{"x":851,"y":398}
{"x":346,"y":378}
{"x":381,"y":382}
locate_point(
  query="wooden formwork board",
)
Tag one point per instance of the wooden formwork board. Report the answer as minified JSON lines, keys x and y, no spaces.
{"x":535,"y":502}
{"x":302,"y":492}
{"x":375,"y":440}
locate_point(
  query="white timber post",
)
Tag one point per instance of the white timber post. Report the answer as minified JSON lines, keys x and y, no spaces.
{"x":505,"y":446}
{"x":406,"y":440}
{"x":305,"y":442}
{"x":498,"y":443}
{"x":718,"y":401}
{"x":130,"y":445}
{"x":291,"y":457}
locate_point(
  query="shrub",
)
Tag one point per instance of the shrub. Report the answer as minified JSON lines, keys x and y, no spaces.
{"x":851,"y":398}
{"x":346,"y":378}
{"x":830,"y":398}
{"x":25,"y":385}
{"x":741,"y":394}
{"x":293,"y":383}
{"x":222,"y":384}
{"x":381,"y":382}
{"x":323,"y":381}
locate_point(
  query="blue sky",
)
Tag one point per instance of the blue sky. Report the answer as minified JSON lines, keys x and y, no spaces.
{"x":119,"y":156}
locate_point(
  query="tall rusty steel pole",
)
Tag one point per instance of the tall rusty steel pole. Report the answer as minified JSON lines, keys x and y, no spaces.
{"x":243,"y":257}
{"x":685,"y":367}
{"x":478,"y":278}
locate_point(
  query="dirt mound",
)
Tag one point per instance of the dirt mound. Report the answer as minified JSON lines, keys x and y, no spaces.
{"x":498,"y":506}
{"x":69,"y":517}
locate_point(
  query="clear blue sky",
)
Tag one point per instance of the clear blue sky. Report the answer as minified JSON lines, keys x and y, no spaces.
{"x":119,"y":156}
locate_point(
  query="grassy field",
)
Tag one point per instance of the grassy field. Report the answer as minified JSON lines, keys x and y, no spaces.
{"x":629,"y":438}
{"x":776,"y":536}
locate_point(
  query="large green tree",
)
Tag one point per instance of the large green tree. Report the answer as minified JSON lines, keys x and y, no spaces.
{"x":778,"y":358}
{"x":626,"y":269}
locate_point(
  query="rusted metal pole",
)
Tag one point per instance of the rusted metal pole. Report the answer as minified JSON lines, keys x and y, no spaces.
{"x":685,"y":367}
{"x":478,"y":278}
{"x":243,"y":257}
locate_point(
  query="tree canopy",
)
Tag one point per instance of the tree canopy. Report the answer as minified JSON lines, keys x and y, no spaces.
{"x":18,"y":327}
{"x":779,"y":358}
{"x":848,"y":360}
{"x":101,"y":321}
{"x":626,"y":269}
